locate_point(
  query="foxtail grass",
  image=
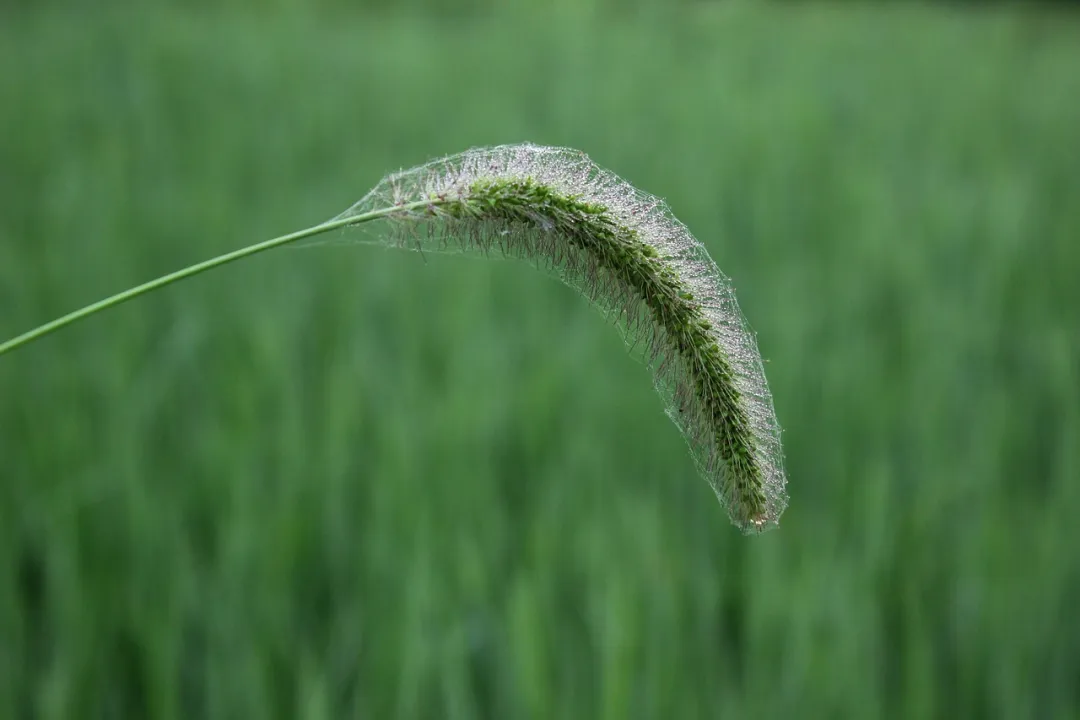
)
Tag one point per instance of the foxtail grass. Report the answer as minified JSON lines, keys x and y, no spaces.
{"x":626,"y":252}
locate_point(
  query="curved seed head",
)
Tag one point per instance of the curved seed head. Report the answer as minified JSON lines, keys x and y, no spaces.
{"x":628,"y":254}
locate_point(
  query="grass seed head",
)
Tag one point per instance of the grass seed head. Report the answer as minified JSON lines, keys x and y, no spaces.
{"x":628,"y":254}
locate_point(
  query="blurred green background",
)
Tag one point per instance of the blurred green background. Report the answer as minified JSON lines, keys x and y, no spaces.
{"x":343,"y":481}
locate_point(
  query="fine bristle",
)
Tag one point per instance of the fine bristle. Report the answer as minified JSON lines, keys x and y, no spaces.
{"x":628,"y":254}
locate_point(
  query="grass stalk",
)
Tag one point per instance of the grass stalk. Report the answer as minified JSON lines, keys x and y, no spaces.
{"x":190,"y":271}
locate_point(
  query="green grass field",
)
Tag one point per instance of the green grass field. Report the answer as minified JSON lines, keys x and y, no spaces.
{"x":340,"y":481}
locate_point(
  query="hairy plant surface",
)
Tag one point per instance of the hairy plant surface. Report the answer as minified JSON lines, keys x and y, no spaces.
{"x":627,"y":253}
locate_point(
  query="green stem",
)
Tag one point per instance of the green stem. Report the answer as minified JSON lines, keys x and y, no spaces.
{"x":193,"y":270}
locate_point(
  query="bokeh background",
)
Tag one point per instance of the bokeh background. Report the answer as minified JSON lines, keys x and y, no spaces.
{"x":343,"y":481}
